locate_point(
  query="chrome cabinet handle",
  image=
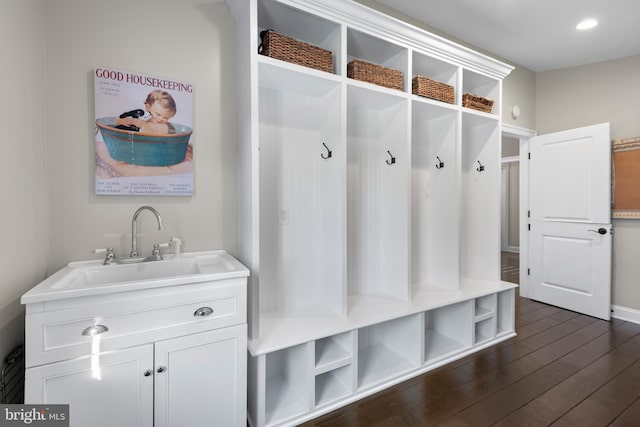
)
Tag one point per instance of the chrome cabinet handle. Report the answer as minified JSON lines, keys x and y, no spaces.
{"x":94,"y":330}
{"x":203,"y":311}
{"x":161,"y":369}
{"x":148,"y":372}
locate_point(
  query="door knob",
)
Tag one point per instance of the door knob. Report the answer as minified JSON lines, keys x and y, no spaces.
{"x":161,"y":369}
{"x":600,"y":230}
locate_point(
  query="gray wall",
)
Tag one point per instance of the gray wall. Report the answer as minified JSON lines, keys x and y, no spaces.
{"x":191,"y":41}
{"x":603,"y":92}
{"x":24,"y":212}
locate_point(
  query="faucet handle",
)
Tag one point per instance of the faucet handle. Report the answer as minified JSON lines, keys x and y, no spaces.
{"x":157,"y":246}
{"x":103,"y":250}
{"x":110,"y":254}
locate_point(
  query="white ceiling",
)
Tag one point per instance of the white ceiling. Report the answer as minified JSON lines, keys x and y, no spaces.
{"x":537,"y":34}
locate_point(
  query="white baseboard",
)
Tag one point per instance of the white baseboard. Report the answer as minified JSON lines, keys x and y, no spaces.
{"x":624,"y":313}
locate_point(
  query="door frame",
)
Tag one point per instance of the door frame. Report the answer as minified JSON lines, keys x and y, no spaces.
{"x":506,"y":202}
{"x":523,"y":135}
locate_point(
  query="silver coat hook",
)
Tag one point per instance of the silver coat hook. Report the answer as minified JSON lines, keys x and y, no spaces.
{"x":328,"y":152}
{"x":392,"y":160}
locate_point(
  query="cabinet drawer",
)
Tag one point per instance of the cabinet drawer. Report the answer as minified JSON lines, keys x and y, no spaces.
{"x":81,"y":331}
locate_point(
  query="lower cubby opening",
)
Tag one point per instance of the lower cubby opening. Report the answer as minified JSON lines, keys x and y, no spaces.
{"x":333,"y":352}
{"x":388,"y":349}
{"x":485,"y":306}
{"x":447,"y":330}
{"x":334,"y":385}
{"x":286,"y":385}
{"x":505,"y":312}
{"x":484,"y":330}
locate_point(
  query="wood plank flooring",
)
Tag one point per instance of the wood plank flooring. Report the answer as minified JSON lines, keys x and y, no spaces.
{"x":562,"y":369}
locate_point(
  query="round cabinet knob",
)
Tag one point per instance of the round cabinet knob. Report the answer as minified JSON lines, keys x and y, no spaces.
{"x":600,"y":230}
{"x":161,"y":369}
{"x":148,"y":372}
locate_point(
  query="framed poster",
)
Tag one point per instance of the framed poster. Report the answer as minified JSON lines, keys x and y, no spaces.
{"x":144,"y":135}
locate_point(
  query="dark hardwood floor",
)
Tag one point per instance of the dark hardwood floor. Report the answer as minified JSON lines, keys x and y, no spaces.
{"x":562,"y":369}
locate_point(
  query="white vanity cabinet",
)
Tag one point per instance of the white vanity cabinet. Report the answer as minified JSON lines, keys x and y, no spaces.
{"x":164,"y":356}
{"x":369,"y":216}
{"x":104,"y":390}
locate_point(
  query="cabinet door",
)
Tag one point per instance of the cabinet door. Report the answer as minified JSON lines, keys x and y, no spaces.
{"x":103,"y":390}
{"x":201,"y":379}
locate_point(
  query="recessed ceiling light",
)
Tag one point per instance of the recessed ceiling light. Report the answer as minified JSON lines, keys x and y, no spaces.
{"x":586,"y":24}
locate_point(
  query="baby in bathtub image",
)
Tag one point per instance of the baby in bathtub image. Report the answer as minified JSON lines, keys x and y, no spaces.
{"x":143,"y":134}
{"x":161,"y":107}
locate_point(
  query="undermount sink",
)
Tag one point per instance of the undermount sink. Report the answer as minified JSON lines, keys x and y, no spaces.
{"x":85,"y":278}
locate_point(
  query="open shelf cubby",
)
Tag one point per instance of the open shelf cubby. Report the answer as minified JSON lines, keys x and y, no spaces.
{"x":485,"y":306}
{"x":286,"y":387}
{"x":333,"y":385}
{"x":437,"y":70}
{"x":481,"y":85}
{"x":484,"y":330}
{"x":387,"y":349}
{"x":333,"y":352}
{"x":366,"y":47}
{"x":302,"y":26}
{"x":447,"y":331}
{"x":505,"y":312}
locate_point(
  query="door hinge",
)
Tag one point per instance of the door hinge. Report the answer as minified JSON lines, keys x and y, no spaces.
{"x":528,"y":214}
{"x":529,"y":227}
{"x":528,"y":272}
{"x":529,"y":156}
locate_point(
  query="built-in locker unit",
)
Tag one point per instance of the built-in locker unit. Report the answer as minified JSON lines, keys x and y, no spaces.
{"x":369,"y":216}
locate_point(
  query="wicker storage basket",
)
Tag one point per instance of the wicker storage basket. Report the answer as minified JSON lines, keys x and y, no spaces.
{"x":376,"y":74}
{"x":288,"y":49}
{"x":470,"y":100}
{"x":423,"y":86}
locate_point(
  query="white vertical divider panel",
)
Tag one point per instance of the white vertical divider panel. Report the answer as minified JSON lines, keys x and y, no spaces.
{"x":256,"y":389}
{"x":246,"y":15}
{"x":341,"y":71}
{"x":355,"y":363}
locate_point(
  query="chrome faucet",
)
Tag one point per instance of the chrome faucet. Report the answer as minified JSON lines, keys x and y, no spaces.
{"x":134,"y":228}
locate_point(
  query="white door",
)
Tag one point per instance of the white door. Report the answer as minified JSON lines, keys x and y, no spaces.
{"x":102,"y":390}
{"x":201,"y":380}
{"x":570,"y":220}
